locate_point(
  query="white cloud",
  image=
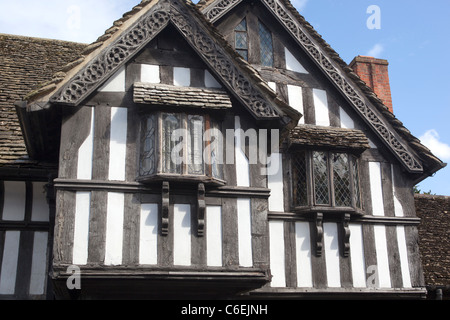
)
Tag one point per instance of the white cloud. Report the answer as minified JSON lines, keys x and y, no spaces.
{"x":376,"y":51}
{"x":72,"y":20}
{"x":432,"y":141}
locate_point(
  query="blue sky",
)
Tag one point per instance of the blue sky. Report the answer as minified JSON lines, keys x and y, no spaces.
{"x":413,"y":37}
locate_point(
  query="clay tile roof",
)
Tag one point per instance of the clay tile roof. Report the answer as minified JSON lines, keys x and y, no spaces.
{"x":25,"y":63}
{"x":147,"y":93}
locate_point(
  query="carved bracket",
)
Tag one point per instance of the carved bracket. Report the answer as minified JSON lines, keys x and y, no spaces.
{"x":346,"y":237}
{"x":319,"y":234}
{"x":165,"y":209}
{"x":201,"y":210}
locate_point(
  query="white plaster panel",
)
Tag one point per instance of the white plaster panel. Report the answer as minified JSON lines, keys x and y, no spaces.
{"x":214,"y":236}
{"x":118,"y":144}
{"x":275,"y":183}
{"x":376,"y":188}
{"x":182,"y":77}
{"x":303,"y":255}
{"x":277,"y":254}
{"x":295,"y":94}
{"x":357,"y":256}
{"x":150,"y":73}
{"x":331,"y":249}
{"x":148,"y":236}
{"x":292,"y":63}
{"x":383,"y":273}
{"x":116,"y":83}
{"x":321,"y":107}
{"x":210,"y":81}
{"x":346,"y":121}
{"x":245,"y":233}
{"x":8,"y":272}
{"x":182,"y":234}
{"x":39,"y":263}
{"x":114,"y":228}
{"x":403,"y":253}
{"x":242,"y":162}
{"x":81,"y":228}
{"x":40,"y":208}
{"x":14,"y":201}
{"x":86,"y":153}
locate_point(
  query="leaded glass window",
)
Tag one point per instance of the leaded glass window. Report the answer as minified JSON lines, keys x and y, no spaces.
{"x":148,"y":146}
{"x":266,"y":45}
{"x":195,"y":144}
{"x":241,"y":39}
{"x":300,"y":179}
{"x":341,"y":180}
{"x":175,"y":144}
{"x":323,"y":178}
{"x":170,"y":123}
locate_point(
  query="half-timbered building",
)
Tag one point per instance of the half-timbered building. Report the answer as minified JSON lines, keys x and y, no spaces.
{"x":217,"y":150}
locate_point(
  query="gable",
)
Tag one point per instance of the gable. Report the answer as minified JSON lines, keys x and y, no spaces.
{"x":359,"y":100}
{"x":246,"y":86}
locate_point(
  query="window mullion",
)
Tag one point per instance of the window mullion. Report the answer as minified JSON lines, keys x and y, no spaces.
{"x":330,"y":168}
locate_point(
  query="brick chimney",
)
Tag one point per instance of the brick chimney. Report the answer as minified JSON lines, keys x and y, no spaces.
{"x":374,"y":72}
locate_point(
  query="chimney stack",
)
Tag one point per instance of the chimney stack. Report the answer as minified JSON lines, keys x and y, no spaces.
{"x":374,"y":72}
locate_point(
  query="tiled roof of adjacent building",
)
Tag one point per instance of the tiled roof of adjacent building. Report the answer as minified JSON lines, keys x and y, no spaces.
{"x":25,"y":63}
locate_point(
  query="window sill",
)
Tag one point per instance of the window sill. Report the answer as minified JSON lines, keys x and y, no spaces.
{"x":328,"y":210}
{"x":181,"y":179}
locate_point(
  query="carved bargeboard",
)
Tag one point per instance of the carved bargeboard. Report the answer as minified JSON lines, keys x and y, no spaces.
{"x":141,"y":33}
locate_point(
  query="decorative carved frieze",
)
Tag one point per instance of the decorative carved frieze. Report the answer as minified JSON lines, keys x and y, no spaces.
{"x":214,"y":12}
{"x":141,"y":33}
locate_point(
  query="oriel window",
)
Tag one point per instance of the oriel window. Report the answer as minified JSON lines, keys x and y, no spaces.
{"x":325,"y":179}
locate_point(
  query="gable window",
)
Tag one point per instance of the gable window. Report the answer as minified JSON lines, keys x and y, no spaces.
{"x":241,"y":39}
{"x":266,"y":45}
{"x":325,"y":179}
{"x":174,"y":144}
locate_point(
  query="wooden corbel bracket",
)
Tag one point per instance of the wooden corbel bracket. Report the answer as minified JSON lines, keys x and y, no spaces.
{"x":346,"y":233}
{"x":201,"y":209}
{"x":165,"y":209}
{"x":319,"y":234}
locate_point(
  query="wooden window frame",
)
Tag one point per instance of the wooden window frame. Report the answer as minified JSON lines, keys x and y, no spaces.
{"x":312,"y":205}
{"x":185,"y":177}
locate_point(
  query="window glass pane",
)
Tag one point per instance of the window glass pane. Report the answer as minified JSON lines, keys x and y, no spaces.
{"x":216,"y":151}
{"x":170,"y":122}
{"x":241,"y":40}
{"x":243,"y":53}
{"x":148,"y":146}
{"x":320,"y":172}
{"x":266,"y":45}
{"x":242,"y":26}
{"x":341,"y":179}
{"x":195,"y":145}
{"x":355,"y":172}
{"x":300,"y":179}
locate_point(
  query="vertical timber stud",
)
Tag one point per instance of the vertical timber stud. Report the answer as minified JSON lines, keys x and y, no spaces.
{"x":346,"y":229}
{"x":165,"y":209}
{"x":201,"y":208}
{"x":319,"y":234}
